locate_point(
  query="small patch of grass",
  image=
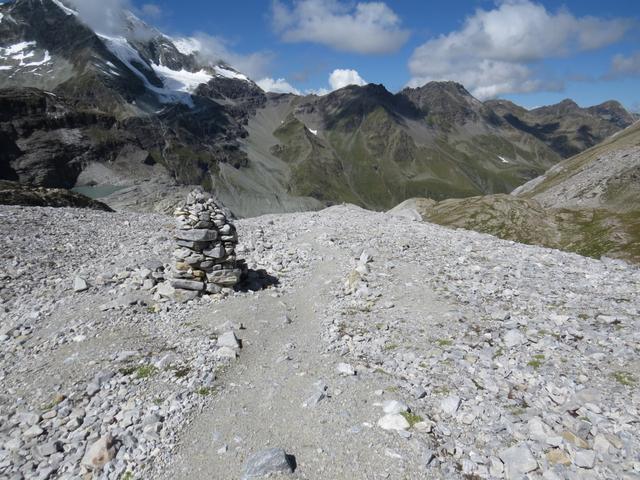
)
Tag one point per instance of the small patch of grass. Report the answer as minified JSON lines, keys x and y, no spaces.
{"x":443,"y":342}
{"x":146,"y":371}
{"x":624,"y":378}
{"x":411,"y":418}
{"x":127,"y":476}
{"x":181,"y":372}
{"x":379,"y":326}
{"x":499,"y":353}
{"x":205,"y":391}
{"x":390,"y":346}
{"x":158,"y":401}
{"x":537,"y":361}
{"x":535,"y":364}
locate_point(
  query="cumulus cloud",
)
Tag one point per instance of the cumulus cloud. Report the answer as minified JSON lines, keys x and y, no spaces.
{"x":367,"y":27}
{"x":342,"y":78}
{"x":339,"y":78}
{"x":496,"y":51}
{"x":279,"y":85}
{"x":622,"y":65}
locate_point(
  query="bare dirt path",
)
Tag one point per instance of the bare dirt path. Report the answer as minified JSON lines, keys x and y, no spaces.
{"x":261,"y":403}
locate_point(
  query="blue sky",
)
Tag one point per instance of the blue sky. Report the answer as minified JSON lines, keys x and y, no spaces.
{"x":532,"y":52}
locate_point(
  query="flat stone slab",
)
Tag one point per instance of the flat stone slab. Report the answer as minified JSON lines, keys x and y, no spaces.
{"x":268,"y":462}
{"x":197,"y":235}
{"x":187,"y":284}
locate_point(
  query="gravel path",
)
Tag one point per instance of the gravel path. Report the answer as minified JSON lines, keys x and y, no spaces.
{"x":473,"y":357}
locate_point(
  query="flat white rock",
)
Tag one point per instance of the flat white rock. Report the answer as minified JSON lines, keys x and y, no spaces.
{"x":393,"y":421}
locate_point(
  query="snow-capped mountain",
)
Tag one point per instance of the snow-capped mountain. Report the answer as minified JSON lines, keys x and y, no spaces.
{"x":44,"y":44}
{"x":72,"y":96}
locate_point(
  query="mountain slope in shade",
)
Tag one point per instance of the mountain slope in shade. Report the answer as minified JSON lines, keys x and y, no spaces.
{"x":565,"y":127}
{"x":588,"y":204}
{"x":141,"y":110}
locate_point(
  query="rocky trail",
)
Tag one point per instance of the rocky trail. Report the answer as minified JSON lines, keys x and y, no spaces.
{"x":388,"y":349}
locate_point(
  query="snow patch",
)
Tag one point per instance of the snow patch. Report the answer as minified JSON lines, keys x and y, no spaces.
{"x":1,"y":17}
{"x":315,"y":132}
{"x":64,"y":8}
{"x":504,"y":160}
{"x":181,"y":80}
{"x":5,"y":67}
{"x":120,"y":47}
{"x":186,"y":46}
{"x":46,"y":59}
{"x":17,"y":49}
{"x":225,"y":72}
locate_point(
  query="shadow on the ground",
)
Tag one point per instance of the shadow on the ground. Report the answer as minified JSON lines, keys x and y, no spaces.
{"x":255,"y":280}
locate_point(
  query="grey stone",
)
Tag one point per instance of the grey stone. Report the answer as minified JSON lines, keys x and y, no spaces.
{"x":513,"y":338}
{"x":187,"y":284}
{"x":585,"y":458}
{"x":49,"y":448}
{"x":450,"y":404}
{"x":197,"y":235}
{"x":394,"y":406}
{"x":393,"y":421}
{"x":518,"y":460}
{"x":345,"y":369}
{"x":79,"y":284}
{"x":217,"y":251}
{"x":314,"y":399}
{"x":228,"y":339}
{"x":99,"y":453}
{"x":267,"y":462}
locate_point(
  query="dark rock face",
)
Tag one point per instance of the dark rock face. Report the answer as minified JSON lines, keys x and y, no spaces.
{"x":566,"y":127}
{"x":14,"y":193}
{"x":445,"y":104}
{"x":98,"y":103}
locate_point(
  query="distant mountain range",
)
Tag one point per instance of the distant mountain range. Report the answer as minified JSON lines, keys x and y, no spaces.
{"x":146,"y":112}
{"x":588,"y":204}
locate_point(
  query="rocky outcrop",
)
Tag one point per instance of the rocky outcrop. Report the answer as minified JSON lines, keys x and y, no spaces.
{"x":14,"y":193}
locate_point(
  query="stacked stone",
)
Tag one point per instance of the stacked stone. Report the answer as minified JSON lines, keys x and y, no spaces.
{"x":206,"y":247}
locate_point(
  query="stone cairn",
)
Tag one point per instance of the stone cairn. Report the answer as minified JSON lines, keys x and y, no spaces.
{"x":206,"y":247}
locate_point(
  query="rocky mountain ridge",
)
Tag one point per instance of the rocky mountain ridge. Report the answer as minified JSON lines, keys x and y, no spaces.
{"x":586,"y":204}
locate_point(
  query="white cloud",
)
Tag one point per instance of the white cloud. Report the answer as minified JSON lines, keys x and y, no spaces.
{"x":104,"y":16}
{"x":622,"y":65}
{"x":495,"y":50}
{"x":367,"y":27}
{"x":279,"y":85}
{"x":216,"y":49}
{"x":151,"y":10}
{"x":341,"y":78}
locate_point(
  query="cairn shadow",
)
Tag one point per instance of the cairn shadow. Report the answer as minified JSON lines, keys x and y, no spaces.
{"x":256,"y":280}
